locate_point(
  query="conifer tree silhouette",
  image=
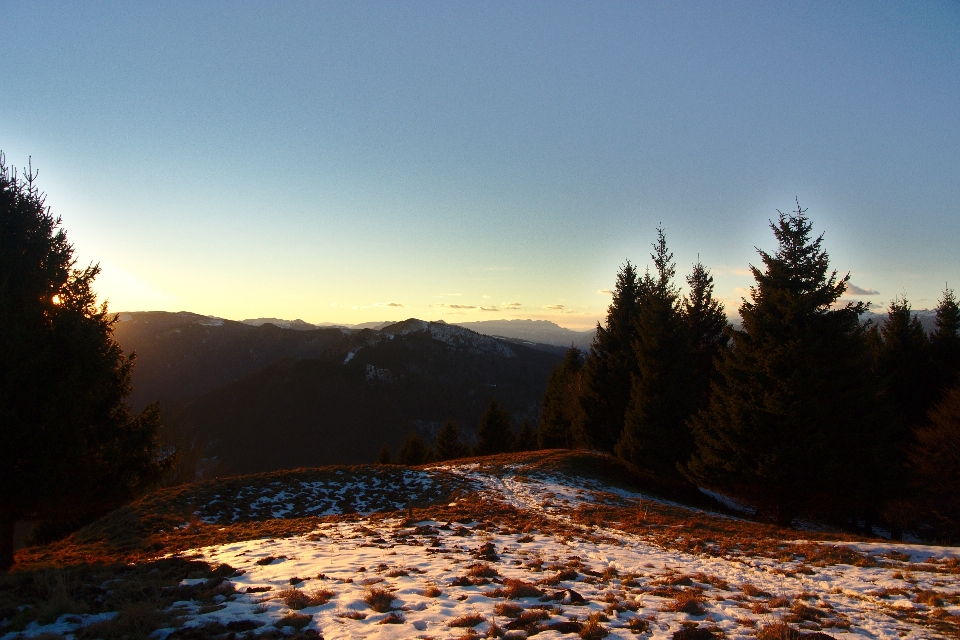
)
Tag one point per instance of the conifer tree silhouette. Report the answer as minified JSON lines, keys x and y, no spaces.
{"x":69,"y":445}
{"x":790,"y":425}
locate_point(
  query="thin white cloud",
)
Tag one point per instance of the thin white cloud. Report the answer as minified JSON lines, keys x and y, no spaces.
{"x":854,"y":290}
{"x":606,"y":292}
{"x":453,"y":306}
{"x":512,"y":305}
{"x":489,"y":309}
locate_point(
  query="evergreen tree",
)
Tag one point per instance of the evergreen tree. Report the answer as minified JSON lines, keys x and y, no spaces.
{"x":69,"y":446}
{"x":789,"y":426}
{"x":610,"y":367}
{"x":935,"y":460}
{"x":494,"y":434}
{"x":384,"y":456}
{"x":945,"y":344}
{"x":449,"y":445}
{"x":901,"y":353}
{"x":413,"y":451}
{"x":526,"y":438}
{"x":655,"y":435}
{"x":706,"y":325}
{"x":561,"y":412}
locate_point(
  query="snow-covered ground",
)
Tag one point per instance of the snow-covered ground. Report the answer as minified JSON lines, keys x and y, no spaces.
{"x":438,"y":572}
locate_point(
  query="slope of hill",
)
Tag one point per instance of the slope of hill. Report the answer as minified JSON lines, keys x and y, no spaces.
{"x":536,"y":331}
{"x":549,"y":543}
{"x":341,"y":406}
{"x":183,"y":355}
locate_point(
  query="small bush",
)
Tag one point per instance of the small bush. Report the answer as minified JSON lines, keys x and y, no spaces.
{"x":380,"y":600}
{"x":296,"y":620}
{"x":393,"y":618}
{"x":297,"y":599}
{"x":689,"y":602}
{"x":638,"y":625}
{"x":507,"y":609}
{"x":929,"y":598}
{"x":482,"y":570}
{"x":753,"y":591}
{"x":467,"y":620}
{"x":778,"y":631}
{"x":593,"y":630}
{"x":351,"y":614}
{"x":432,"y":591}
{"x":514,"y":589}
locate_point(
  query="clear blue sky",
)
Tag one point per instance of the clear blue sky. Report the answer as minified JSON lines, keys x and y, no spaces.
{"x":325,"y":160}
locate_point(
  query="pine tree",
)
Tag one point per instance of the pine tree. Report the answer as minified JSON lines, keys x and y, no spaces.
{"x":561,"y":412}
{"x":935,"y":460}
{"x":384,"y":456}
{"x":413,"y":451}
{"x":494,"y":434}
{"x":449,"y":445}
{"x":610,"y":367}
{"x":945,"y":344}
{"x":70,"y":447}
{"x":901,"y":353}
{"x":789,"y":426}
{"x":706,"y":325}
{"x":655,"y":435}
{"x":526,"y":438}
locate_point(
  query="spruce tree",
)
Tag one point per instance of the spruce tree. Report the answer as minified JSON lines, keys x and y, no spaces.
{"x":935,"y":459}
{"x":610,"y":367}
{"x":384,"y":456}
{"x":561,"y":412}
{"x":70,"y":447}
{"x":449,"y":445}
{"x":945,"y":344}
{"x":706,"y":324}
{"x":789,"y":426}
{"x":655,"y":435}
{"x":494,"y":434}
{"x":901,"y":353}
{"x":413,"y":451}
{"x":526,"y":438}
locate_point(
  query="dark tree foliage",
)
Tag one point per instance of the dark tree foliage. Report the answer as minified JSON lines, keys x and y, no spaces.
{"x":449,"y":444}
{"x":384,"y":456}
{"x":610,"y":366}
{"x":945,"y":344}
{"x":494,"y":434}
{"x":789,"y":426}
{"x":70,"y":445}
{"x":706,"y":324}
{"x":526,"y":438}
{"x":655,"y":435}
{"x":935,"y":460}
{"x":561,"y":412}
{"x":413,"y":451}
{"x":902,"y":357}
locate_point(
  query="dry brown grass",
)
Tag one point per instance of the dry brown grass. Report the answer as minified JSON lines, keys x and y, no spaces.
{"x":592,"y":629}
{"x":689,"y":602}
{"x":467,"y":620}
{"x":754,"y":591}
{"x":296,"y":620}
{"x":297,"y":599}
{"x":432,"y":591}
{"x":514,"y":589}
{"x":380,"y":600}
{"x":482,"y":570}
{"x":393,"y":618}
{"x":507,"y":609}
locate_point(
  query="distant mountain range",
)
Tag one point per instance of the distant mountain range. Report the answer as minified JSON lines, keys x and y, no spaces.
{"x":264,"y":397}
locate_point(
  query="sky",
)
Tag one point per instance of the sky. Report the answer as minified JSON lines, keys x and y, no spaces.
{"x":351,"y":162}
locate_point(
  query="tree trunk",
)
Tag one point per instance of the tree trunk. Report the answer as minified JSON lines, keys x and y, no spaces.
{"x":7,"y":523}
